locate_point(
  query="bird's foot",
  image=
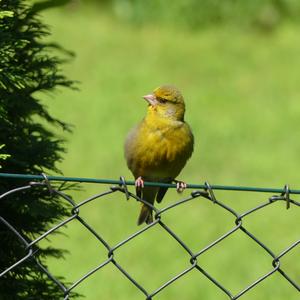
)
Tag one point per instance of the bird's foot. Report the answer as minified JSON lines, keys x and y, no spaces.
{"x":139,"y":182}
{"x":180,"y":186}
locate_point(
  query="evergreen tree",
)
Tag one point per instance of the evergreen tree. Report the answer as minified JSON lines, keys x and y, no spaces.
{"x":3,"y":156}
{"x":26,"y":67}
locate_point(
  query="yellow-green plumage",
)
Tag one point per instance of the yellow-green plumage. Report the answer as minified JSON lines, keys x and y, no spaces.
{"x":159,"y":146}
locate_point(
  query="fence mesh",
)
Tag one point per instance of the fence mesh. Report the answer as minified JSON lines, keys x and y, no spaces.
{"x":205,"y":192}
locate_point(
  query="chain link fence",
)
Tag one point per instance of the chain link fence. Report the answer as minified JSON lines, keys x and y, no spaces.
{"x":204,"y":191}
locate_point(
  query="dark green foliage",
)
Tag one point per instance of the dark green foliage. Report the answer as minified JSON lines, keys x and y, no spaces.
{"x":3,"y":156}
{"x":197,"y":14}
{"x":26,"y":67}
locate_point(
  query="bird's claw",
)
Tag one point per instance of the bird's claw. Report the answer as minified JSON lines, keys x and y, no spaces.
{"x":139,"y":182}
{"x":180,"y":186}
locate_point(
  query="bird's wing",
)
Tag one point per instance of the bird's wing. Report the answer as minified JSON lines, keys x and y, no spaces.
{"x":161,"y":193}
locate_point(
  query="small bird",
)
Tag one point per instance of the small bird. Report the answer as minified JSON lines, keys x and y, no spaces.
{"x":159,"y":146}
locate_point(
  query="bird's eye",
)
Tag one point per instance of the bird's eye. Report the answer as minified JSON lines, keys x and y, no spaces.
{"x":161,"y":100}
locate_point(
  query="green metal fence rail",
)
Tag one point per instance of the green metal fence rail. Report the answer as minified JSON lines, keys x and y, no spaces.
{"x":205,"y":191}
{"x":159,"y":184}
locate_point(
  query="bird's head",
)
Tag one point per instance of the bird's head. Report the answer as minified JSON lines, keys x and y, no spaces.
{"x":167,"y":101}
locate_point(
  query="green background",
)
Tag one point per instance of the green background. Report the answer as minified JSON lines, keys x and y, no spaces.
{"x":241,"y":85}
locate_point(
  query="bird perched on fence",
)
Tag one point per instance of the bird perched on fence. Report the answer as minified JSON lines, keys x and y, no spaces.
{"x":159,"y":146}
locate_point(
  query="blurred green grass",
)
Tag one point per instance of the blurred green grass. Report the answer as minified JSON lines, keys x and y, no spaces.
{"x":242,"y":96}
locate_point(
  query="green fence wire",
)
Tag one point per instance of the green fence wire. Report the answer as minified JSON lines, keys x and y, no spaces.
{"x":205,"y":191}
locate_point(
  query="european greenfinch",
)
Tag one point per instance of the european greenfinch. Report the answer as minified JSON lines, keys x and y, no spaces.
{"x":159,"y":146}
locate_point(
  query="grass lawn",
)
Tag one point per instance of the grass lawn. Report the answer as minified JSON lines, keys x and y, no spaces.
{"x":242,"y":96}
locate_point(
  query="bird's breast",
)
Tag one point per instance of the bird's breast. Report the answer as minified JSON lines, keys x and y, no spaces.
{"x":159,"y":150}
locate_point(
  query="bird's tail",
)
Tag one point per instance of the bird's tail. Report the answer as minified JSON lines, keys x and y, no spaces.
{"x":148,"y":194}
{"x":145,"y":215}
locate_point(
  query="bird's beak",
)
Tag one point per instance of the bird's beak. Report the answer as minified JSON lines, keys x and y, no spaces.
{"x":151,"y":99}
